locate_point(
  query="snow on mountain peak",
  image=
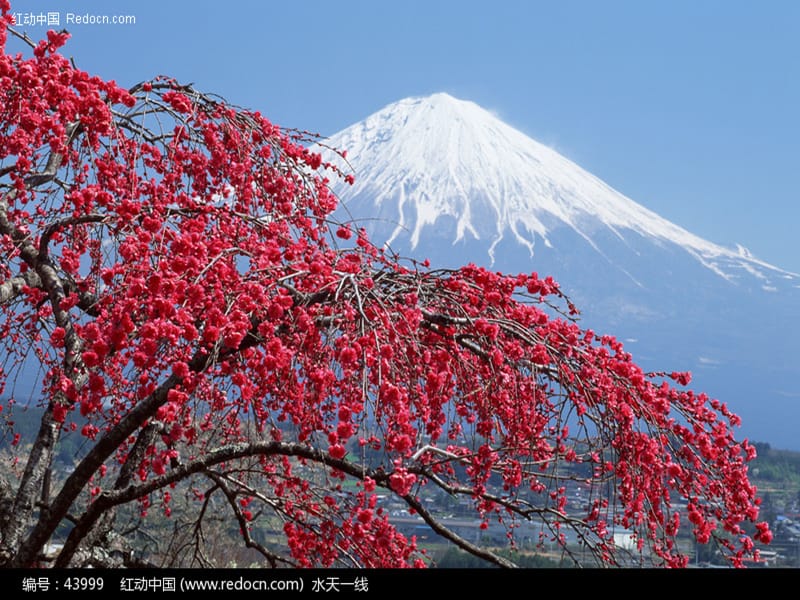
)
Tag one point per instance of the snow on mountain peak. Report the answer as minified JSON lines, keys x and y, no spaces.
{"x":425,"y":161}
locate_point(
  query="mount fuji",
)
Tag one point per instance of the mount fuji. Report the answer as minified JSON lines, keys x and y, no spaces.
{"x":441,"y":178}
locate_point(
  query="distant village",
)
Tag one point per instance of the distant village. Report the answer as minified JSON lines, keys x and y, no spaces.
{"x":536,"y":536}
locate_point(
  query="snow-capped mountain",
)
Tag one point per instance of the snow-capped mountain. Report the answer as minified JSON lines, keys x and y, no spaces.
{"x":442,"y":178}
{"x":439,"y":162}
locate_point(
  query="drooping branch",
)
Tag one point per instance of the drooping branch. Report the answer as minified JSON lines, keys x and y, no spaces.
{"x":459,"y":541}
{"x":110,"y":499}
{"x":224,"y":455}
{"x":519,"y":508}
{"x":244,"y":527}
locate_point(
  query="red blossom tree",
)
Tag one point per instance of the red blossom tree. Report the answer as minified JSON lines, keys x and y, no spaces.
{"x":175,"y":291}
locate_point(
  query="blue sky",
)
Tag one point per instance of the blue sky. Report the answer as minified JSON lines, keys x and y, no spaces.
{"x":688,"y":107}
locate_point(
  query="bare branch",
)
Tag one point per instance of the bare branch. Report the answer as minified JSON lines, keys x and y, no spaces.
{"x":244,"y":526}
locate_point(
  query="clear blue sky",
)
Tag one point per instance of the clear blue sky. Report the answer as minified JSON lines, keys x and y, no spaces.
{"x":691,"y":108}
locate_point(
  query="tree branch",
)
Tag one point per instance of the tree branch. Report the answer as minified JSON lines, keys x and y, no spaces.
{"x":51,"y":229}
{"x":110,"y":499}
{"x":244,"y":526}
{"x":54,"y":160}
{"x":12,"y":287}
{"x":446,"y":533}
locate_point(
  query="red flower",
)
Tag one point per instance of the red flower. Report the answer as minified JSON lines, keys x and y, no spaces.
{"x":337,"y":451}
